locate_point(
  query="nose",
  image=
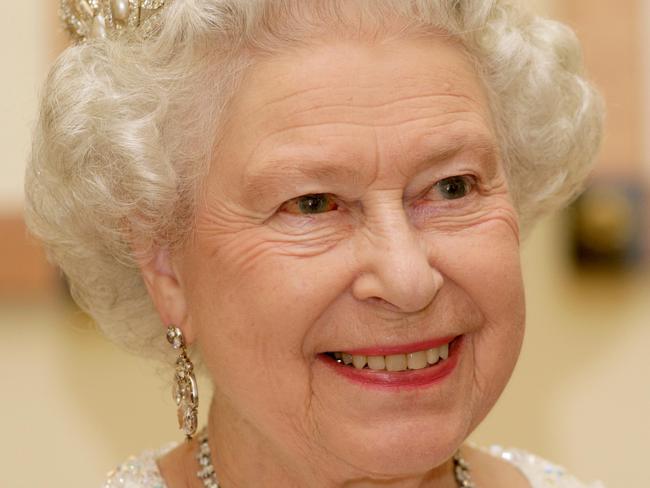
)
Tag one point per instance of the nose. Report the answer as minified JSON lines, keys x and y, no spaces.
{"x":396,"y":267}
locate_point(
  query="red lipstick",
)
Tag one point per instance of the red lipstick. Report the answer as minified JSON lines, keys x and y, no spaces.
{"x":400,"y":379}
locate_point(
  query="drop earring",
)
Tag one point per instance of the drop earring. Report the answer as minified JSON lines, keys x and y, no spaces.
{"x":185,"y":390}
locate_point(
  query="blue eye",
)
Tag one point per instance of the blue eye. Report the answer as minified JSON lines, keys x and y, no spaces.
{"x":454,"y":187}
{"x":310,"y":204}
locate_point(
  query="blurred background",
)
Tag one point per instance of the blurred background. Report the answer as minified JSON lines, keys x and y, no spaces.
{"x":72,"y":405}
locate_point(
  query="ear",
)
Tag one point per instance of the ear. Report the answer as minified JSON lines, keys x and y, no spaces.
{"x":167,"y":293}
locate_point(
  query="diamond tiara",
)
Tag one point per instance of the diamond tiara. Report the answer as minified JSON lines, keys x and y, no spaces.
{"x":92,"y":19}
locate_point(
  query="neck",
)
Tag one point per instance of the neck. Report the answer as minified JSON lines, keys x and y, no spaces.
{"x":243,"y":456}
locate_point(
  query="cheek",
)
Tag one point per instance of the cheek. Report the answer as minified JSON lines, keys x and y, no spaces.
{"x":483,"y":259}
{"x":254,"y":306}
{"x":486,"y":265}
{"x":255,"y":311}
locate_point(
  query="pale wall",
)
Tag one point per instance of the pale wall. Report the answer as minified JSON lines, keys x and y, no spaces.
{"x":22,"y":52}
{"x":644,"y":21}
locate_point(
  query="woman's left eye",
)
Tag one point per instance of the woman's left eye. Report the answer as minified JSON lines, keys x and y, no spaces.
{"x":310,"y":204}
{"x":454,"y":187}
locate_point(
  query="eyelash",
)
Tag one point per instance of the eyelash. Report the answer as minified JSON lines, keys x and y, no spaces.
{"x":469,"y":183}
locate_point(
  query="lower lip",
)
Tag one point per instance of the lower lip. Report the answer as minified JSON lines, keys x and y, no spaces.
{"x":418,"y":378}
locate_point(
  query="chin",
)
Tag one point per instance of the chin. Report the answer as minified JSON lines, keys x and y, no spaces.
{"x":403,"y":447}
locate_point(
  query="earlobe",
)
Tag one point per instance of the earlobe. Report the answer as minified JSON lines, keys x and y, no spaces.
{"x":166,"y":291}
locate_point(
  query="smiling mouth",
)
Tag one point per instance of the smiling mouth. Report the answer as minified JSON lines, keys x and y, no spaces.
{"x":409,"y":361}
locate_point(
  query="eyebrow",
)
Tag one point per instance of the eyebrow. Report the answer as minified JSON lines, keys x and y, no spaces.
{"x":279,"y":171}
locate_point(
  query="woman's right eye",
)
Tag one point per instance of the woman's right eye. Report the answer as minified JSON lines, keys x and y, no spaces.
{"x":313,"y":204}
{"x":454,"y":187}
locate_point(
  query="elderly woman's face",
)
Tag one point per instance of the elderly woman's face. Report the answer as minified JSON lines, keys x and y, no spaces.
{"x":357,"y":205}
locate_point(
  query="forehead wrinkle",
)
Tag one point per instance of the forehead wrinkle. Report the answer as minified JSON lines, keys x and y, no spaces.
{"x":353,"y":114}
{"x":269,"y":104}
{"x":309,"y":98}
{"x":350,"y":102}
{"x":278,"y":172}
{"x":337,"y":122}
{"x":448,"y":145}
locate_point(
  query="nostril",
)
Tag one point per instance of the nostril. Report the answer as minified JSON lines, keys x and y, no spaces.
{"x":385,"y":304}
{"x":380,"y":301}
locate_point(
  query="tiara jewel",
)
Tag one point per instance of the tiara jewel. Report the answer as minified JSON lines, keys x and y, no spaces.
{"x":91,"y":19}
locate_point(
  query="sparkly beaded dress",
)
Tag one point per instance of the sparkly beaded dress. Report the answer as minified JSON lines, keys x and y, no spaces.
{"x":142,"y":471}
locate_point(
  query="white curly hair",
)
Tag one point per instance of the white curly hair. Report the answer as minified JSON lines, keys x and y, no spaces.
{"x":127,"y":127}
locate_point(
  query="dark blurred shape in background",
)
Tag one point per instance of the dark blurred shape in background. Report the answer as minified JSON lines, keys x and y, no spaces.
{"x":607,"y":225}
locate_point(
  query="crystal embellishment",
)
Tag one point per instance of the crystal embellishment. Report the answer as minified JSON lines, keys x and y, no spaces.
{"x":186,"y":395}
{"x":101,"y":19}
{"x":175,"y":337}
{"x":185,"y":390}
{"x":206,"y":472}
{"x":461,"y":472}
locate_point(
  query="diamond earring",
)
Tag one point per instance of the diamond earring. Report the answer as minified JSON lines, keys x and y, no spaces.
{"x":186,"y":393}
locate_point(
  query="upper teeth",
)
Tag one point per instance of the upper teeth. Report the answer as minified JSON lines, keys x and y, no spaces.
{"x":396,"y":362}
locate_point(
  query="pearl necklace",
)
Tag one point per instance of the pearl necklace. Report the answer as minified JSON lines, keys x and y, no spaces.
{"x":207,"y":474}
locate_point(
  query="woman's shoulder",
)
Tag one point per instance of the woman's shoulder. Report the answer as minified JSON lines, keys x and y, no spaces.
{"x":139,"y":471}
{"x":539,"y":472}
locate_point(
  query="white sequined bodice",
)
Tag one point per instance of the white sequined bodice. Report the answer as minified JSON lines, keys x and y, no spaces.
{"x":539,"y":472}
{"x":142,"y":471}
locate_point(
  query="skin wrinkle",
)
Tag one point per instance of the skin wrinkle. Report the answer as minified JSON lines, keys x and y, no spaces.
{"x":393,"y":265}
{"x":476,"y":219}
{"x":351,"y":124}
{"x":282,"y":241}
{"x":385,"y":105}
{"x":285,"y":245}
{"x":281,"y":172}
{"x":257,"y":181}
{"x":481,"y":217}
{"x":460,"y":316}
{"x":286,"y":98}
